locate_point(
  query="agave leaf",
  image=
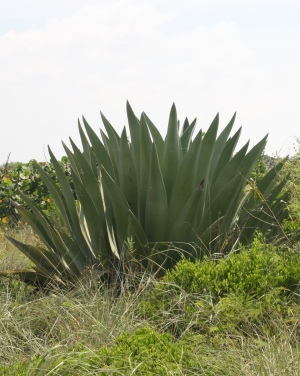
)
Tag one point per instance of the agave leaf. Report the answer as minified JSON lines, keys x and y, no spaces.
{"x":226,"y":192}
{"x":219,"y":147}
{"x":219,"y":192}
{"x":65,"y":249}
{"x":156,"y":202}
{"x":93,"y":221}
{"x":127,"y":174}
{"x":185,"y":226}
{"x":70,"y":207}
{"x":87,"y":178}
{"x":111,"y":132}
{"x":172,"y":156}
{"x":206,"y":153}
{"x":46,"y":262}
{"x":87,"y":150}
{"x":184,"y":127}
{"x":156,"y":136}
{"x":145,"y":158}
{"x":186,"y":137}
{"x":226,"y":155}
{"x":56,"y":194}
{"x":184,"y":183}
{"x":112,"y":143}
{"x":252,"y":157}
{"x":134,"y":127}
{"x":109,"y":221}
{"x":99,"y":150}
{"x":120,"y":207}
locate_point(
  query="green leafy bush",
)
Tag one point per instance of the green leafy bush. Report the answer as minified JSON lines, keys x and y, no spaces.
{"x":25,"y":177}
{"x":147,"y":351}
{"x":255,"y":271}
{"x":234,"y":293}
{"x":144,"y":352}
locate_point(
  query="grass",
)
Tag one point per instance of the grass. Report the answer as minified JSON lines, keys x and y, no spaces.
{"x":87,"y":329}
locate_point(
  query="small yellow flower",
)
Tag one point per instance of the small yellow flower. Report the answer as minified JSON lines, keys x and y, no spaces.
{"x":1,"y":201}
{"x":5,"y":178}
{"x":49,"y":200}
{"x":5,"y":220}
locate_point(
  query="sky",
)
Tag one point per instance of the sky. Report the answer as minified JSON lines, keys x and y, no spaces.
{"x":62,"y":59}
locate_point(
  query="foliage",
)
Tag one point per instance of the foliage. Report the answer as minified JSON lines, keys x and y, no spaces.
{"x":292,"y":223}
{"x":230,"y":294}
{"x":255,"y":271}
{"x":83,"y":330}
{"x":147,"y":351}
{"x":155,"y":193}
{"x":15,"y":177}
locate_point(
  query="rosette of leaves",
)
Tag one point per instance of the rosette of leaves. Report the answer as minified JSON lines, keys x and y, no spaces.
{"x":145,"y":199}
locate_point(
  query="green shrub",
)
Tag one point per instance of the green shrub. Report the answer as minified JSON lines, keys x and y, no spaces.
{"x":242,"y":291}
{"x":147,"y":351}
{"x":258,"y":270}
{"x":25,"y":177}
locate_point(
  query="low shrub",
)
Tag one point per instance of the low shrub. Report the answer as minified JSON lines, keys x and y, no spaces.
{"x":255,"y":271}
{"x":241,"y":292}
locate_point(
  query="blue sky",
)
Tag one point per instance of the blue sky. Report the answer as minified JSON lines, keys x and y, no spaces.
{"x":63,"y":59}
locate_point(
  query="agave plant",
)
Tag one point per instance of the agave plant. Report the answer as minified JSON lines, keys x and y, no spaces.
{"x":182,"y":192}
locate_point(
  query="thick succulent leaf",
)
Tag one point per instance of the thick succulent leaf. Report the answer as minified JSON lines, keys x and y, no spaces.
{"x":156,"y":202}
{"x":220,"y":193}
{"x":70,"y":206}
{"x":112,"y":143}
{"x":64,"y":248}
{"x":172,"y":156}
{"x":46,"y":262}
{"x":252,"y":157}
{"x":134,"y":127}
{"x":87,"y":178}
{"x":184,"y":183}
{"x":120,"y":207}
{"x":110,"y":223}
{"x":111,"y":132}
{"x":219,"y":147}
{"x":156,"y":136}
{"x":87,"y":150}
{"x":99,"y":150}
{"x":93,"y":220}
{"x":56,"y":194}
{"x":145,"y":158}
{"x":206,"y":153}
{"x":226,"y":155}
{"x":185,"y":226}
{"x":27,"y":275}
{"x":186,"y":137}
{"x":223,"y":196}
{"x":127,"y":174}
{"x":184,"y":127}
{"x":202,"y":170}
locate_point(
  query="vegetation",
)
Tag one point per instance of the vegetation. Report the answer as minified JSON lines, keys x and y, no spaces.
{"x":149,"y":201}
{"x":230,"y":306}
{"x":24,"y":177}
{"x":243,"y":323}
